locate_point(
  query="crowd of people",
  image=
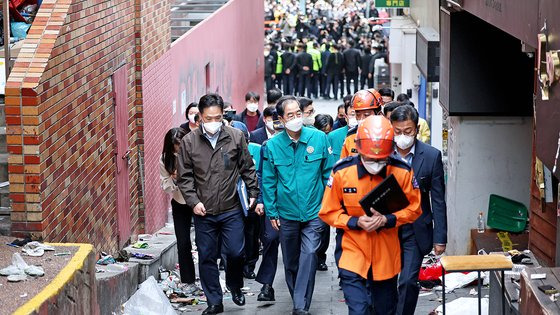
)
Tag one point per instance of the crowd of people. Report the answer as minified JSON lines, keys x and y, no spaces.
{"x":330,"y":51}
{"x":286,"y":175}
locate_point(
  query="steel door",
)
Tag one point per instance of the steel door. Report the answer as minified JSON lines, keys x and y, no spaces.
{"x":122,"y":154}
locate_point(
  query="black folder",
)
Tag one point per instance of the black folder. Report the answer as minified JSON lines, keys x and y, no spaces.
{"x":386,"y":198}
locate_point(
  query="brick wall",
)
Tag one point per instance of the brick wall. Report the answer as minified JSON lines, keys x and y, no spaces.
{"x":178,"y":78}
{"x":61,"y":121}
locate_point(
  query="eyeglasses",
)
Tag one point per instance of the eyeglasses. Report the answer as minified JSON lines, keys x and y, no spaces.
{"x":409,"y":133}
{"x":309,"y":112}
{"x":291,"y":116}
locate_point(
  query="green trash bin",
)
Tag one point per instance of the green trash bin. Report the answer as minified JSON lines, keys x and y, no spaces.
{"x":506,"y":214}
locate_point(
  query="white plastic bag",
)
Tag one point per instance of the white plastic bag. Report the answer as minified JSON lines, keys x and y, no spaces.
{"x":463,"y":306}
{"x":149,"y":300}
{"x":457,"y":280}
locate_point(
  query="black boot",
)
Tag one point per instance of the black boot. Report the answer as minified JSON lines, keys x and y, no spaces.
{"x":267,"y":293}
{"x":237,"y":297}
{"x":213,"y":309}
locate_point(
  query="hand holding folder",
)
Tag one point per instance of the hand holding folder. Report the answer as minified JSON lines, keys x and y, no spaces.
{"x":386,"y":198}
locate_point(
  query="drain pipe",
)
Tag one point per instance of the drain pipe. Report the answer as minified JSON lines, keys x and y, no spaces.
{"x":7,"y":57}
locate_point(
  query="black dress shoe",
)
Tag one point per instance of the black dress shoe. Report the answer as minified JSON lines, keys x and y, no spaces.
{"x":322,"y":267}
{"x":300,"y":312}
{"x":213,"y":309}
{"x":267,"y":293}
{"x":237,"y":297}
{"x":249,"y":275}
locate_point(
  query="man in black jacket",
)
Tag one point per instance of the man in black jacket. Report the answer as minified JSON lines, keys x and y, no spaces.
{"x":378,"y":53}
{"x":333,"y":70}
{"x":323,"y":75}
{"x":304,"y":63}
{"x":269,"y":67}
{"x":210,"y":161}
{"x":289,"y":68}
{"x":364,"y":67}
{"x":352,"y":63}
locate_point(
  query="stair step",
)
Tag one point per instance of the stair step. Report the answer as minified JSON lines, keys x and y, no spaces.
{"x":5,"y":211}
{"x":5,"y":225}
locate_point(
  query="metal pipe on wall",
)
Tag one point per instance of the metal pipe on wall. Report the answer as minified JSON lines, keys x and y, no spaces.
{"x":7,"y":57}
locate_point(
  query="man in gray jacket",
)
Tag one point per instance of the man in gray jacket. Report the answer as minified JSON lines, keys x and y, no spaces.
{"x":211,"y":160}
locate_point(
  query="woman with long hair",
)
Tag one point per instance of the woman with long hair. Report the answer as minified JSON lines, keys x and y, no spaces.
{"x":182,"y":214}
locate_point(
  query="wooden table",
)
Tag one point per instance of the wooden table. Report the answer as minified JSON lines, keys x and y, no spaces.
{"x":490,"y":243}
{"x":533,"y":300}
{"x":476,"y":263}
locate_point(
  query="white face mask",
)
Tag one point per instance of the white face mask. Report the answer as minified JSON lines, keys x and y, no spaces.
{"x":270,"y":126}
{"x":374,"y":167}
{"x":295,"y":124}
{"x":352,"y":122}
{"x":404,"y":142}
{"x":252,"y":107}
{"x":191,"y":118}
{"x":212,"y":127}
{"x":310,"y":120}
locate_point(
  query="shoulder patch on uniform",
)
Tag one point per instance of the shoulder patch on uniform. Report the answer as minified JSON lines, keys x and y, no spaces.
{"x":344,"y":163}
{"x":396,"y":162}
{"x":415,"y":183}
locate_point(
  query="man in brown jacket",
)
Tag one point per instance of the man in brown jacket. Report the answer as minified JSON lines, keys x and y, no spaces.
{"x":211,"y":160}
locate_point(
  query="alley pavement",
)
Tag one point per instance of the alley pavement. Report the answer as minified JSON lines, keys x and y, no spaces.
{"x":327,"y":297}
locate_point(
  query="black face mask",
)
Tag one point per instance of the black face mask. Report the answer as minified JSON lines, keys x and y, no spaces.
{"x":342,"y":121}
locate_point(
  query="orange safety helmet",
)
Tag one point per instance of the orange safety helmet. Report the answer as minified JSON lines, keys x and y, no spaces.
{"x":374,"y":138}
{"x":367,"y":99}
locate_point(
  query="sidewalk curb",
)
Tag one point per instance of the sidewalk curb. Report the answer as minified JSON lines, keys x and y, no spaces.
{"x":57,"y":284}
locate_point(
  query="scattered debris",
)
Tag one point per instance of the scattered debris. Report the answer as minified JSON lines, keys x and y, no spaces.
{"x":462,"y":306}
{"x":116,"y":268}
{"x":20,"y":243}
{"x":538,"y":276}
{"x":457,"y":280}
{"x":473,"y":292}
{"x":63,"y":254}
{"x":140,"y":245}
{"x":23,"y":295}
{"x":106,"y":259}
{"x":149,"y":300}
{"x":36,"y":249}
{"x":142,"y":256}
{"x":17,"y":278}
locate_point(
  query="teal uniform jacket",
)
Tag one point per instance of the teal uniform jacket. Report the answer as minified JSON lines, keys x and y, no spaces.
{"x":336,"y":139}
{"x":294,"y":175}
{"x":255,"y":151}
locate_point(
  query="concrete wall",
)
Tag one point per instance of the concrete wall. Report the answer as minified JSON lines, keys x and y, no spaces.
{"x":402,"y":56}
{"x":486,"y":156}
{"x":230,"y":42}
{"x":425,"y":13}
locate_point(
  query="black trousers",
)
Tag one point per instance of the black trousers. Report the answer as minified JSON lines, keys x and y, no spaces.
{"x":304,"y":82}
{"x":269,"y":83}
{"x":278,"y":81}
{"x":325,"y":240}
{"x":182,"y":217}
{"x":365,"y":80}
{"x":351,"y":77}
{"x":332,"y":79}
{"x":289,"y":81}
{"x":252,"y":231}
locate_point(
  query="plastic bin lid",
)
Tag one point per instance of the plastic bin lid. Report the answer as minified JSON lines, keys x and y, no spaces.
{"x":506,"y":214}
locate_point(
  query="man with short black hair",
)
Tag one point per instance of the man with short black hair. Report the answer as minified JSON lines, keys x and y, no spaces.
{"x":210,"y":161}
{"x":265,"y":132}
{"x":272,"y":96}
{"x":250,"y":115}
{"x":430,"y":230}
{"x":387,"y":95}
{"x":340,"y":117}
{"x":352,"y":62}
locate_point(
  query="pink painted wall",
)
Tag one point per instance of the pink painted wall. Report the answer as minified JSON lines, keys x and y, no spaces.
{"x":230,"y":42}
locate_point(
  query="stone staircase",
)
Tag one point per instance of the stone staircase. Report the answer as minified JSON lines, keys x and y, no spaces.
{"x":5,"y":207}
{"x":186,"y":14}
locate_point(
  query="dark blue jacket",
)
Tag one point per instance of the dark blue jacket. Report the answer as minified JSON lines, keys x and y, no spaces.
{"x":259,"y":136}
{"x":431,"y":227}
